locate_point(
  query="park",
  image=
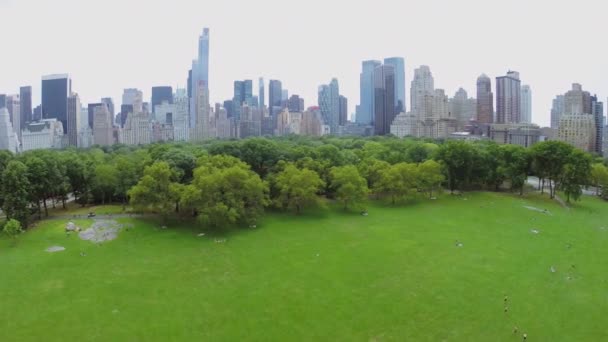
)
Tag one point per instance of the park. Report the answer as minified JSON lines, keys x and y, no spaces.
{"x":471,"y":267}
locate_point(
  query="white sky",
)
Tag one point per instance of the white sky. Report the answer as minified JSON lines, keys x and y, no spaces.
{"x":114,"y":44}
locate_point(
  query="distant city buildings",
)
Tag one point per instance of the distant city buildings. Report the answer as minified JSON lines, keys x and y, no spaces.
{"x":55,"y":92}
{"x":508,"y":98}
{"x":485,"y":100}
{"x":526,"y":104}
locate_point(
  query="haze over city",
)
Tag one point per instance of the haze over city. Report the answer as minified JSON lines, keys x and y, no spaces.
{"x":121,"y":44}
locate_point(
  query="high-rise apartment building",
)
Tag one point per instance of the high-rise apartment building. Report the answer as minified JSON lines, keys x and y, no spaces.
{"x":25,"y":95}
{"x":462,"y":108}
{"x":597,"y":110}
{"x":275,"y":89}
{"x":74,"y":113}
{"x":102,"y":126}
{"x":508,"y":98}
{"x":161,"y":94}
{"x":13,"y":105}
{"x":55,"y":92}
{"x":423,"y":84}
{"x":384,"y":99}
{"x":526,"y":104}
{"x":200,"y":73}
{"x":398,"y":63}
{"x":365,"y":110}
{"x":557,"y":110}
{"x":343,"y":110}
{"x":261,"y":93}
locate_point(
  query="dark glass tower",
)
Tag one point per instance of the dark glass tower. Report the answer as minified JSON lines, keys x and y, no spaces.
{"x":384,"y":99}
{"x":160,"y":95}
{"x":55,"y":92}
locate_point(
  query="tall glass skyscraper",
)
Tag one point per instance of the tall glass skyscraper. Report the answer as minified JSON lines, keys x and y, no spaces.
{"x":261,"y":93}
{"x":200,"y":73}
{"x":25,"y":94}
{"x":508,"y":102}
{"x":275,"y":88}
{"x":398,"y":63}
{"x":365,"y":113}
{"x":384,"y":102}
{"x":243,"y":94}
{"x":55,"y":92}
{"x":160,"y":95}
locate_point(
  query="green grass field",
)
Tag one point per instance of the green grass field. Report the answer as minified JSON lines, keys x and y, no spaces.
{"x":396,"y":275}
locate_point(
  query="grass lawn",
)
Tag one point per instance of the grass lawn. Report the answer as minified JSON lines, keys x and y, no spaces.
{"x":396,"y":275}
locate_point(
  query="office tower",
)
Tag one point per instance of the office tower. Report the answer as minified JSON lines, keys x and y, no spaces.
{"x":577,"y":101}
{"x":13,"y":105}
{"x":229,"y":108}
{"x":275,"y":89}
{"x":597,"y":109}
{"x":284,"y":95}
{"x":295,"y":104}
{"x":2,"y":101}
{"x":55,"y":92}
{"x":8,"y":137}
{"x":557,"y":110}
{"x":526,"y":104}
{"x":398,"y":63}
{"x":201,"y":123}
{"x":110,"y":105}
{"x":365,"y":110}
{"x":261,"y":93}
{"x":160,"y":95}
{"x":324,"y":102}
{"x":423,"y":85}
{"x":91,"y":110}
{"x":37,"y":114}
{"x":102,"y":126}
{"x":243,"y":94}
{"x":181,"y":118}
{"x":74,"y":111}
{"x":462,"y":108}
{"x":578,"y":130}
{"x":485,"y":100}
{"x":384,"y":99}
{"x":329,"y":104}
{"x":200,"y":73}
{"x":508,"y":98}
{"x":343,"y":110}
{"x":25,"y":95}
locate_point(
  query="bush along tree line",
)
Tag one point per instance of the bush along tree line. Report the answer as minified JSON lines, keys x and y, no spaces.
{"x":225,"y":183}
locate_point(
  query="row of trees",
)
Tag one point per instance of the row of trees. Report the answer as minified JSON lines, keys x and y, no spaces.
{"x":231,"y":182}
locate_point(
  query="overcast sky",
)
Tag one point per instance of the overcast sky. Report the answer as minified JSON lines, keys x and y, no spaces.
{"x":114,"y":44}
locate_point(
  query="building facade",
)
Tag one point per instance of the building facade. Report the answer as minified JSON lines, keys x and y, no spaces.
{"x":526,"y":104}
{"x":508,"y":98}
{"x":55,"y":92}
{"x":365,"y":110}
{"x":384,"y":99}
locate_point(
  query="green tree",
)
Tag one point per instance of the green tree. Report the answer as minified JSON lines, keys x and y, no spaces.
{"x":599,"y":177}
{"x":104,"y":181}
{"x":38,"y":178}
{"x":350,"y":187}
{"x":577,"y":172}
{"x":549,"y":159}
{"x":458,"y":157}
{"x":12,"y":229}
{"x":16,"y":190}
{"x":156,"y":191}
{"x":515,"y":165}
{"x":430,"y":176}
{"x":222,"y":196}
{"x":298,"y":188}
{"x":127,"y":177}
{"x":398,"y":181}
{"x":371,"y":169}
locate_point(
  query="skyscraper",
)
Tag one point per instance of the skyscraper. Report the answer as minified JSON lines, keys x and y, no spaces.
{"x":485,"y":100}
{"x":399,"y":64}
{"x":597,"y":108}
{"x":102,"y":126}
{"x":384,"y":99}
{"x":161,"y":94}
{"x":74,"y":111}
{"x":462,"y":108}
{"x":526,"y":104}
{"x":508,"y":98}
{"x":2,"y":101}
{"x":55,"y":92}
{"x":295,"y":104}
{"x":275,"y":88}
{"x":243,"y":94}
{"x":557,"y":110}
{"x":13,"y":105}
{"x":91,"y":109}
{"x":324,"y":101}
{"x":261,"y":93}
{"x":110,"y":105}
{"x":343,"y":110}
{"x":365,"y":112}
{"x":334,"y":93}
{"x":423,"y":85}
{"x":577,"y":101}
{"x":25,"y":95}
{"x":200,"y":72}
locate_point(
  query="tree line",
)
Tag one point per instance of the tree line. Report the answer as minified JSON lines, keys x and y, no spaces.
{"x":225,"y":183}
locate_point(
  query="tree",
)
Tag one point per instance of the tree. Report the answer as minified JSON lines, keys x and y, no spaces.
{"x":104,"y":182}
{"x":371,"y":169}
{"x":16,"y":188}
{"x":577,"y":172}
{"x":350,"y":187}
{"x":38,"y":178}
{"x":126,"y":177}
{"x":156,"y":192}
{"x":222,"y":196}
{"x":430,"y":176}
{"x":599,"y":177}
{"x":298,"y":188}
{"x":12,"y":228}
{"x":549,"y":159}
{"x":398,"y":181}
{"x":458,"y":157}
{"x":515,"y":165}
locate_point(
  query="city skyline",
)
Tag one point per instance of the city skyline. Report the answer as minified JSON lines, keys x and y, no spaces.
{"x":149,"y":64}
